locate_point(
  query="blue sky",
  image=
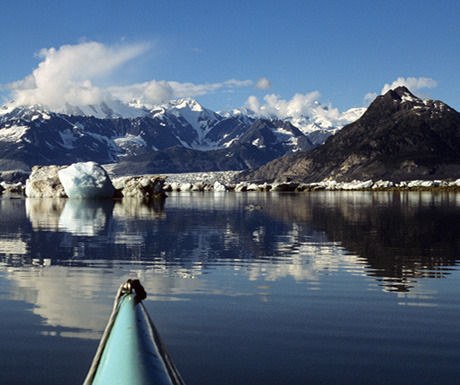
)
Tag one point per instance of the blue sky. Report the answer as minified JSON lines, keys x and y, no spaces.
{"x":224,"y":52}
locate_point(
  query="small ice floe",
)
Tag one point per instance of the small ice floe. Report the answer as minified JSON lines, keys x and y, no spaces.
{"x":254,"y":187}
{"x":241,"y":186}
{"x":219,"y":187}
{"x":186,"y":186}
{"x":383,"y":184}
{"x":455,"y":183}
{"x":357,"y":185}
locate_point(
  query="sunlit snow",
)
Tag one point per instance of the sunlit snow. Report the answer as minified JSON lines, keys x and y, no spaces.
{"x":13,"y":133}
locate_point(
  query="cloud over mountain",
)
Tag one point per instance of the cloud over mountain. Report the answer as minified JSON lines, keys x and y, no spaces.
{"x":66,"y":74}
{"x":412,"y":83}
{"x":74,"y":76}
{"x":297,"y":107}
{"x":69,"y":75}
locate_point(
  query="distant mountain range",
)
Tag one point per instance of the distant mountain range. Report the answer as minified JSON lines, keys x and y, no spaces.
{"x":399,"y":137}
{"x":180,"y":136}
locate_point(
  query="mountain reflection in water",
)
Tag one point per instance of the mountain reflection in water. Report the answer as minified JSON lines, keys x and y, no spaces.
{"x":396,"y":237}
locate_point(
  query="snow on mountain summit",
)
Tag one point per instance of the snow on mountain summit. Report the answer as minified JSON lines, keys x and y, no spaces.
{"x":104,"y":110}
{"x":177,"y":123}
{"x":317,"y":117}
{"x":193,"y":112}
{"x":107,"y":109}
{"x":318,"y":121}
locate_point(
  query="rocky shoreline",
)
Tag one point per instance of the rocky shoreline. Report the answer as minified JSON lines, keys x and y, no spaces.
{"x":228,"y":181}
{"x":44,"y":182}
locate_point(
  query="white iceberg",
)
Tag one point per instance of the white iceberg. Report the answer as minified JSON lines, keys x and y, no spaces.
{"x":86,"y":180}
{"x":219,"y":187}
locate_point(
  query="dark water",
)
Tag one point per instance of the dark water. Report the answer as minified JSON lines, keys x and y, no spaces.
{"x":315,"y":288}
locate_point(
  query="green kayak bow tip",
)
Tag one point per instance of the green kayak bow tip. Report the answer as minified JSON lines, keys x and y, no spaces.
{"x":131,"y":351}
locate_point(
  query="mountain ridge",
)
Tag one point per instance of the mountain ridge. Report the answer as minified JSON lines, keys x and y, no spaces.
{"x":33,"y":135}
{"x":399,"y":137}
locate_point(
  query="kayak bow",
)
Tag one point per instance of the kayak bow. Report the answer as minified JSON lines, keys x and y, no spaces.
{"x":131,"y":351}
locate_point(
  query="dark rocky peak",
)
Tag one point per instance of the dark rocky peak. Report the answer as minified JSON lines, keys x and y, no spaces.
{"x":401,"y":92}
{"x":393,"y":99}
{"x":287,"y":126}
{"x":261,"y":128}
{"x":400,"y":103}
{"x":402,"y":99}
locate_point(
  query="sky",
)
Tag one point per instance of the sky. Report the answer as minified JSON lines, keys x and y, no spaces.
{"x":228,"y":54}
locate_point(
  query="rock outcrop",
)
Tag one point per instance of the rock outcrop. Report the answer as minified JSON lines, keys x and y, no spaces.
{"x":139,"y":186}
{"x":44,"y":183}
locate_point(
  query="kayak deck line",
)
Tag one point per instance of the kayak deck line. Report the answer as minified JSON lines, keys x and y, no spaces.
{"x":131,"y":351}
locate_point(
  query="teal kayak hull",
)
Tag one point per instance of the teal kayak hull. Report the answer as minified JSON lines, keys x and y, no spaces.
{"x":132,"y":351}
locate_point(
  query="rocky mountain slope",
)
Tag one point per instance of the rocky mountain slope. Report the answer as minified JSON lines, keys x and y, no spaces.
{"x":399,"y":137}
{"x":163,"y":138}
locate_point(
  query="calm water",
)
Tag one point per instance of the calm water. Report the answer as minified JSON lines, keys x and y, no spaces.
{"x":319,"y":288}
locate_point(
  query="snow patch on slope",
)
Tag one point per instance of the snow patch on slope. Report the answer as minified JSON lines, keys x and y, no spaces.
{"x":13,"y":133}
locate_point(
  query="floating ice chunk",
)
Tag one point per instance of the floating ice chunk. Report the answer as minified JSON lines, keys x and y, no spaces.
{"x":253,"y":187}
{"x":383,"y":184}
{"x":86,"y":180}
{"x":455,"y":183}
{"x":242,"y":186}
{"x":186,"y":186}
{"x":414,"y":183}
{"x":219,"y":187}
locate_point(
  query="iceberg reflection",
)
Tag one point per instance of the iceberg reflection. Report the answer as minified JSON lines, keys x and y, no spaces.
{"x":88,"y":217}
{"x":85,"y":217}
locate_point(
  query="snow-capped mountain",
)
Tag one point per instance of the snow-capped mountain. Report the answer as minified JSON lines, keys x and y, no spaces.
{"x":111,"y":132}
{"x":318,"y":125}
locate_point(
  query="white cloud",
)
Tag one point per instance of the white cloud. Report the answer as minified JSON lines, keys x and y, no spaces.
{"x":68,"y":75}
{"x":65,"y":75}
{"x":263,"y":84}
{"x":253,"y":104}
{"x":157,"y":92}
{"x":413,"y":84}
{"x":192,"y":90}
{"x":297,"y":107}
{"x":369,"y":97}
{"x":152,"y":92}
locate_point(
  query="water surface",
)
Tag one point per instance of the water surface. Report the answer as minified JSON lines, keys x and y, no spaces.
{"x":250,"y":288}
